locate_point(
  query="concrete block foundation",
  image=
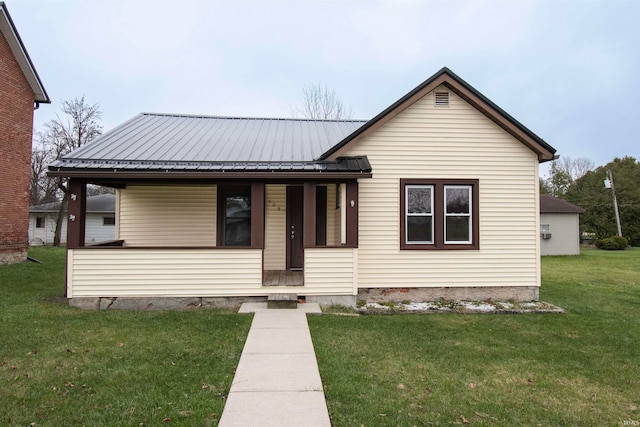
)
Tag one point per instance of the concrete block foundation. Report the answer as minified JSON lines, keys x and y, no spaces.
{"x":160,"y":303}
{"x":498,"y":293}
{"x":13,"y":257}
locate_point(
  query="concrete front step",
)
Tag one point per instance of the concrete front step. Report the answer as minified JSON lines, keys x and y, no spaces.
{"x":282,"y":301}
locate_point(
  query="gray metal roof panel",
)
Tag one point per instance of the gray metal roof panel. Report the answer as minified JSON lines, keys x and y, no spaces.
{"x":181,"y":138}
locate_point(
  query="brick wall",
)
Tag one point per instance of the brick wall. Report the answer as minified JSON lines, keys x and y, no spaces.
{"x":16,"y":127}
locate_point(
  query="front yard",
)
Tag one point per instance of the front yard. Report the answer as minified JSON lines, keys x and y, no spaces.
{"x":64,"y":366}
{"x":579,"y":368}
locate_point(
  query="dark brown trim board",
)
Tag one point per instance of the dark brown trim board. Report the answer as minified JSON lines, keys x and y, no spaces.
{"x":321,"y":215}
{"x":76,"y":211}
{"x":352,"y":213}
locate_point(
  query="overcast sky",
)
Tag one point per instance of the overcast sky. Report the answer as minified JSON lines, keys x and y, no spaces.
{"x":568,"y":70}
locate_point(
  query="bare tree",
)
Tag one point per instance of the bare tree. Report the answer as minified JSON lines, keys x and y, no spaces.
{"x":564,"y":172}
{"x":43,"y":188}
{"x":575,"y":168}
{"x":320,"y":102}
{"x":79,"y":125}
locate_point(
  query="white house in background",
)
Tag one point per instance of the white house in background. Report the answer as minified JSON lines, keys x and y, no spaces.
{"x":100,"y":222}
{"x":559,"y":226}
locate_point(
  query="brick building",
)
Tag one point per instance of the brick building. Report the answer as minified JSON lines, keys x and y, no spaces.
{"x":21,"y":91}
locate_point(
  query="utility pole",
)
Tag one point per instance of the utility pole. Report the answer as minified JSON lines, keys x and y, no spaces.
{"x":608,"y":183}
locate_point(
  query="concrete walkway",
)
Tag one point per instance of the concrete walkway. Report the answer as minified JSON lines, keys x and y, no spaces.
{"x":277,"y":382}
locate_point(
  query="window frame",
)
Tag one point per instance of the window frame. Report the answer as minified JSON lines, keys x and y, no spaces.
{"x":41,"y":222}
{"x":221,"y":213}
{"x":439,"y":214}
{"x":108,"y":221}
{"x":448,"y":215}
{"x":431,"y":215}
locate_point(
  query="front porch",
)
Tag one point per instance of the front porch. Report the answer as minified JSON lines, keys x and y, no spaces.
{"x":219,"y":240}
{"x":111,"y":271}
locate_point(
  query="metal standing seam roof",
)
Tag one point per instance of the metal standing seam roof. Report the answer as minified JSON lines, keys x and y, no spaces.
{"x":171,"y":141}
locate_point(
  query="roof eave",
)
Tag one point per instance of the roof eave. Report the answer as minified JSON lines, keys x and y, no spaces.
{"x":8,"y":28}
{"x":174,"y":175}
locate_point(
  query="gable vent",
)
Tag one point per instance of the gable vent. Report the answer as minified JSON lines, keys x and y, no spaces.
{"x":442,"y":99}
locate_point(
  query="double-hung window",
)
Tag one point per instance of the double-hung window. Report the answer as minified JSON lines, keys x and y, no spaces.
{"x":439,"y":214}
{"x":419,"y":214}
{"x":457,"y":214}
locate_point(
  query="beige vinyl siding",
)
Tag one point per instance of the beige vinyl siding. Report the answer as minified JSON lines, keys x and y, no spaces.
{"x":178,"y":215}
{"x":457,"y":142}
{"x":275,"y":245}
{"x":330,"y":271}
{"x":164,"y":272}
{"x":331,"y":215}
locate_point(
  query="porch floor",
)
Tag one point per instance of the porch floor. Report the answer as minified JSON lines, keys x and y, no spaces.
{"x":282,"y":278}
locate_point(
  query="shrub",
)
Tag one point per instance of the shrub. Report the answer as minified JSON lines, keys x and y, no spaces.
{"x":613,"y":243}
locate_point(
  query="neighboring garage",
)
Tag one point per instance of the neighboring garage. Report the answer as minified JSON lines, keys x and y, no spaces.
{"x":559,"y":226}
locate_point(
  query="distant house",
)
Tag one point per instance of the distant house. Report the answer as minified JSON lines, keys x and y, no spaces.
{"x":436,"y":196}
{"x":559,"y":226}
{"x":100,"y":221}
{"x":20,"y":90}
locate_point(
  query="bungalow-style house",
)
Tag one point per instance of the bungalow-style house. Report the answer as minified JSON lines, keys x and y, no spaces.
{"x":559,"y":226}
{"x":100,"y":222}
{"x":436,"y":196}
{"x":21,"y":91}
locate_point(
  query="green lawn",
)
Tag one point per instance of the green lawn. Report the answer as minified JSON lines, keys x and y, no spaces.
{"x":62,"y":366}
{"x":581,"y":368}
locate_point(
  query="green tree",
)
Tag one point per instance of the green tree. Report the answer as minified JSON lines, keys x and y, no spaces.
{"x":559,"y":181}
{"x":590,"y":193}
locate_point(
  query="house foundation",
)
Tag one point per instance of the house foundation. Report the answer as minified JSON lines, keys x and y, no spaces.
{"x":494,"y":293}
{"x":160,"y":303}
{"x":13,"y":257}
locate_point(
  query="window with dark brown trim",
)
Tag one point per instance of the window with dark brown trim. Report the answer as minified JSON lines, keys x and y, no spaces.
{"x":439,"y":214}
{"x":234,"y":216}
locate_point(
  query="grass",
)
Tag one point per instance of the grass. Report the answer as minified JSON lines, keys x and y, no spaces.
{"x":579,"y":368}
{"x":64,"y":366}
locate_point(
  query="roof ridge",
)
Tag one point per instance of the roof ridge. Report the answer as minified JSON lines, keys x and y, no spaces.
{"x":298,"y":119}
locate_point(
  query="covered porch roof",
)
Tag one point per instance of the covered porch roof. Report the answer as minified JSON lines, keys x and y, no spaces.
{"x":182,"y":147}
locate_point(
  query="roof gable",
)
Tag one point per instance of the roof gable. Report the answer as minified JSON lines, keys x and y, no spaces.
{"x":446,"y":77}
{"x":8,"y":29}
